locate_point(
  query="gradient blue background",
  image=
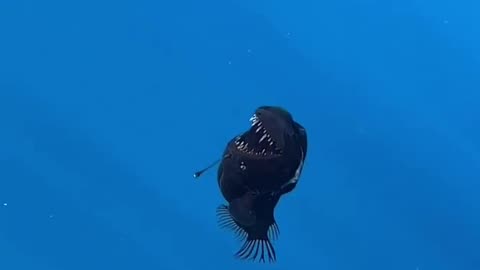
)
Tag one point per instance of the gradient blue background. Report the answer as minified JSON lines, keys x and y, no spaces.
{"x":108,"y":107}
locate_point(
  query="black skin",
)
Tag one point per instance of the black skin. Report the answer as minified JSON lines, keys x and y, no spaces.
{"x":253,"y":185}
{"x":268,"y":174}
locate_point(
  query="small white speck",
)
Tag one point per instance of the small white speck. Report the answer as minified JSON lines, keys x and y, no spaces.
{"x":229,"y":62}
{"x":5,"y":204}
{"x":50,"y":216}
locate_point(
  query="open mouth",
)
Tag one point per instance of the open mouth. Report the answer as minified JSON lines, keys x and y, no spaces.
{"x":258,"y":140}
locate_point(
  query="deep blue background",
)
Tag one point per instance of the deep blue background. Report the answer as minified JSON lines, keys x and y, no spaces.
{"x":108,"y":107}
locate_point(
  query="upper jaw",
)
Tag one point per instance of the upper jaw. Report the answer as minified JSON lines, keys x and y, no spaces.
{"x":259,"y":129}
{"x":258,"y":140}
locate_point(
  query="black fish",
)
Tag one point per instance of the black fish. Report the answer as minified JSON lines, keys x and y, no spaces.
{"x":257,"y":168}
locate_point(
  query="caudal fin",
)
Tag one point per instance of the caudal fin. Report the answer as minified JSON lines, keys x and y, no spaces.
{"x":254,"y":249}
{"x":257,"y":237}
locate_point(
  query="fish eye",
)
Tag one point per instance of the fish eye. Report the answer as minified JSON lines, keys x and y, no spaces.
{"x":242,"y":166}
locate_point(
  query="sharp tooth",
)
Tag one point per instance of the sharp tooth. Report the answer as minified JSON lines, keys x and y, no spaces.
{"x":263,"y":138}
{"x":258,"y":129}
{"x":271,"y":143}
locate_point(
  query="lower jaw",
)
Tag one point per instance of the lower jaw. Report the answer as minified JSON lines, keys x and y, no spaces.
{"x":258,"y":153}
{"x":259,"y":149}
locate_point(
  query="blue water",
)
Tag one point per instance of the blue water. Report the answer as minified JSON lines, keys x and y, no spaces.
{"x":108,"y":107}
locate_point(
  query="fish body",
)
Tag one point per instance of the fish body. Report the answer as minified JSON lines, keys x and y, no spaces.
{"x":259,"y":166}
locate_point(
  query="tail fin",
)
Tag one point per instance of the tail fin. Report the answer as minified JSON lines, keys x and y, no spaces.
{"x":257,"y":236}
